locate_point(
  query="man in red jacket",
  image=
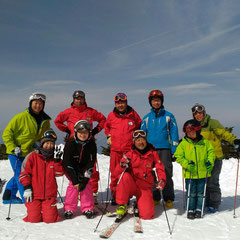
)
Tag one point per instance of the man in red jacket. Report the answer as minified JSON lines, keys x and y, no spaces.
{"x":119,"y":126}
{"x":138,"y":178}
{"x":80,"y":111}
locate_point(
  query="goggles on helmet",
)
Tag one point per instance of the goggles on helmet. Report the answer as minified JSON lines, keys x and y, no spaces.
{"x":155,"y":93}
{"x":50,"y":134}
{"x":188,"y":129}
{"x":120,"y":97}
{"x":139,"y":133}
{"x":37,"y":96}
{"x":78,"y":94}
{"x":198,"y":108}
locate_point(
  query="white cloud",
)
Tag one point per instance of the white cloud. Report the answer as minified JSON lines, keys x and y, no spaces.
{"x":192,"y":86}
{"x":57,"y":83}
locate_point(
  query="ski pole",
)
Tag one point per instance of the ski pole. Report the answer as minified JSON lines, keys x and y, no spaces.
{"x":154,"y":169}
{"x":189,"y":189}
{"x":112,"y":194}
{"x":183,"y":191}
{"x":9,"y":209}
{"x":97,"y":165}
{"x":235,"y":199}
{"x":108,"y":184}
{"x":204,"y":195}
{"x":60,"y":197}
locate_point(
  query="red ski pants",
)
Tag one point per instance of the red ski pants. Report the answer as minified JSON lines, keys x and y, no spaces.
{"x":128,"y":187}
{"x":94,"y":179}
{"x":42,"y":211}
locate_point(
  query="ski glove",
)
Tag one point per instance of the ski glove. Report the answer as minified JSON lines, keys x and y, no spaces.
{"x":83,"y":181}
{"x":124,"y":163}
{"x":191,"y":166}
{"x":28,"y":195}
{"x":94,"y":131}
{"x":209,"y":167}
{"x":109,"y":141}
{"x":236,"y":142}
{"x":160,"y":185}
{"x":58,"y":154}
{"x":18,"y":151}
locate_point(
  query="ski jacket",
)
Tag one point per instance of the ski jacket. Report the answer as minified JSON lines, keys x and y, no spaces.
{"x":74,"y":114}
{"x":40,"y":175}
{"x":22,"y":131}
{"x":141,"y":167}
{"x":161,"y":128}
{"x":121,"y":128}
{"x":213,"y":131}
{"x":79,"y":158}
{"x":200,"y":153}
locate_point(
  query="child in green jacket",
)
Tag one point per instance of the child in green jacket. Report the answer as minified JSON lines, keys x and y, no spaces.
{"x":196,"y":156}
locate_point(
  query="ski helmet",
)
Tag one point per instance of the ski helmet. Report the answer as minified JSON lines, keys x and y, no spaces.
{"x":48,"y":135}
{"x":120,"y":97}
{"x":198,"y":108}
{"x":155,"y":93}
{"x":78,"y":93}
{"x":192,"y":125}
{"x":37,"y":96}
{"x":139,"y":133}
{"x":82,"y":125}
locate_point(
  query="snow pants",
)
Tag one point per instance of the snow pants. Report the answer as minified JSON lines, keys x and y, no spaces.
{"x":86,"y":198}
{"x":196,"y":193}
{"x":94,"y":179}
{"x":13,"y":185}
{"x":168,"y":191}
{"x":213,"y":195}
{"x":115,"y":158}
{"x":128,"y":187}
{"x":42,"y":211}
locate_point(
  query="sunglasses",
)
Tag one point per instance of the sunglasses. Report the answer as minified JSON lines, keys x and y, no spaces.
{"x":38,"y":96}
{"x":188,"y":129}
{"x":155,"y":93}
{"x":120,"y":97}
{"x":50,"y":134}
{"x":139,"y":133}
{"x":198,"y":108}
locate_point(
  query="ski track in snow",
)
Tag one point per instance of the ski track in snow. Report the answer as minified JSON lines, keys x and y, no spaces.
{"x":220,"y":225}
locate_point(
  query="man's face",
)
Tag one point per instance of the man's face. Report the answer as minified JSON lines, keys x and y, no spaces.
{"x":37,"y":106}
{"x":199,"y":116}
{"x":121,"y":106}
{"x":79,"y":101}
{"x":140,"y":143}
{"x":156,"y":102}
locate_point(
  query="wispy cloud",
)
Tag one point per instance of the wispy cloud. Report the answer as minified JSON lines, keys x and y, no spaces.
{"x":192,"y":86}
{"x":57,"y":83}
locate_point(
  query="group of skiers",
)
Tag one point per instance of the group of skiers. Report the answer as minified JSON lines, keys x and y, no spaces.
{"x":141,"y":156}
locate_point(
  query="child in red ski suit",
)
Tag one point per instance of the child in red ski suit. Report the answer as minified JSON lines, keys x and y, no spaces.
{"x":138,"y":178}
{"x":38,"y":176}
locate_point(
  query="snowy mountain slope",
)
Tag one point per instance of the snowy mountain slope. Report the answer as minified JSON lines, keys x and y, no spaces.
{"x":221,"y":225}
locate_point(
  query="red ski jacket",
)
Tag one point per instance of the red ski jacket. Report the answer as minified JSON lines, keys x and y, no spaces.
{"x":141,"y":166}
{"x":73,"y":114}
{"x":39,"y":174}
{"x":121,"y":128}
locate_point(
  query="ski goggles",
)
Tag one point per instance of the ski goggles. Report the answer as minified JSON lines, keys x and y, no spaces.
{"x":120,"y":97}
{"x":37,"y":96}
{"x":78,"y":94}
{"x":198,"y":108}
{"x":188,"y":129}
{"x":139,"y":133}
{"x":50,"y":134}
{"x":155,"y":93}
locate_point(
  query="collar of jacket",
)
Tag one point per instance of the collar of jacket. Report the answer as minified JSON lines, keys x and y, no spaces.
{"x":206,"y":120}
{"x":199,"y":142}
{"x":160,"y":113}
{"x":80,"y":108}
{"x":129,"y":110}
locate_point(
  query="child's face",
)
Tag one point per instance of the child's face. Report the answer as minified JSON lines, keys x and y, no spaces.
{"x":83,"y":135}
{"x":49,"y":145}
{"x":140,"y":143}
{"x":192,"y":134}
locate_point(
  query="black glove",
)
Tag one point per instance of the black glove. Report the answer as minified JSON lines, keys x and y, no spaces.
{"x":95,"y":131}
{"x":58,"y":154}
{"x":236,"y":142}
{"x":83,"y":181}
{"x":173,"y":158}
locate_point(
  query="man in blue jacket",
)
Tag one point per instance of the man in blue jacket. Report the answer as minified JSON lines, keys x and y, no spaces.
{"x":162,"y":133}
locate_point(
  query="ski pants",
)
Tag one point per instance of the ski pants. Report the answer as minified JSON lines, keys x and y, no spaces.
{"x":128,"y":187}
{"x":196,"y":193}
{"x":168,"y":191}
{"x":213,"y":196}
{"x":86,"y":198}
{"x":13,"y":184}
{"x":94,"y":179}
{"x":115,"y":158}
{"x":42,"y":211}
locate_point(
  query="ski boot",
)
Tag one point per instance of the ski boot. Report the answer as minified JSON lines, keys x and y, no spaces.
{"x":198,"y":214}
{"x":89,"y":214}
{"x":68,"y":214}
{"x":191,"y":214}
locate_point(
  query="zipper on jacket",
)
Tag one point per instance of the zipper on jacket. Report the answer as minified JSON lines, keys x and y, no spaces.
{"x":80,"y":158}
{"x":196,"y":159}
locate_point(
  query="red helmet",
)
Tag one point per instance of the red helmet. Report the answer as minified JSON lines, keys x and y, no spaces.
{"x":155,"y":93}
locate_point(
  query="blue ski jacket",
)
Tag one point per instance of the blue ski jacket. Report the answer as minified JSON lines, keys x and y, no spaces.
{"x":162,"y":130}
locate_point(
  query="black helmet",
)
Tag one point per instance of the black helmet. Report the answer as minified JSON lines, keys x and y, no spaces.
{"x":78,"y":93}
{"x":82,"y":125}
{"x":192,"y":125}
{"x":155,"y":93}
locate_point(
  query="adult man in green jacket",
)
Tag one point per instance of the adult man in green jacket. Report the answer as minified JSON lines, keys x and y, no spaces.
{"x":213,"y":131}
{"x":19,"y":137}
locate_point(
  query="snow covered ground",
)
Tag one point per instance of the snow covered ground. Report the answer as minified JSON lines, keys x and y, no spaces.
{"x":220,"y":225}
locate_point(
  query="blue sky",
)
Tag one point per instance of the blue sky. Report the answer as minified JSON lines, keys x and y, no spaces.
{"x":189,"y":49}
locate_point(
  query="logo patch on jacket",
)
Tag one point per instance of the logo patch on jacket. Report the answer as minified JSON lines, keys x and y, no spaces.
{"x":130,"y":123}
{"x":88,"y":119}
